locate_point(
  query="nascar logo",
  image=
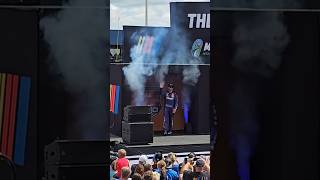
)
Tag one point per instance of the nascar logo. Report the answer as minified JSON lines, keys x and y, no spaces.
{"x":144,"y":44}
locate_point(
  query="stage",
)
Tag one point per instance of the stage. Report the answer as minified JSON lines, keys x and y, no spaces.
{"x":179,"y":144}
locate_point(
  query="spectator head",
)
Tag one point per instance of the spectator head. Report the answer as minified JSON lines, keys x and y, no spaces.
{"x":122,"y":153}
{"x":161,"y":164}
{"x":192,"y":155}
{"x":147,"y":167}
{"x":157,"y":157}
{"x":155,"y":176}
{"x":147,"y":175}
{"x":172,"y":157}
{"x":168,"y":162}
{"x":199,"y":166}
{"x":139,"y":169}
{"x":143,"y":159}
{"x":125,"y":173}
{"x":136,"y":176}
{"x":190,"y":158}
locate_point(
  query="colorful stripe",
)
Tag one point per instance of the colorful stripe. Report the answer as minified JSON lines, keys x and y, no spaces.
{"x":6,"y":117}
{"x":114,"y":98}
{"x":14,"y":100}
{"x":2,"y":88}
{"x":116,"y":105}
{"x":22,"y":121}
{"x":12,"y":122}
{"x":110,"y":99}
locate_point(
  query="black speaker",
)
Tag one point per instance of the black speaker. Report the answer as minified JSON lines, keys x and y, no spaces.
{"x":76,"y":152}
{"x":72,"y":172}
{"x":133,"y":114}
{"x":137,"y":133}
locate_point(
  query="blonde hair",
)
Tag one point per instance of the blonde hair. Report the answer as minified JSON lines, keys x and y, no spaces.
{"x":155,"y":176}
{"x":162,"y":166}
{"x":122,"y":153}
{"x":172,"y":157}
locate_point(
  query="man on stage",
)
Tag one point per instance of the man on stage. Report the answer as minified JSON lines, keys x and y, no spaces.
{"x":170,"y":107}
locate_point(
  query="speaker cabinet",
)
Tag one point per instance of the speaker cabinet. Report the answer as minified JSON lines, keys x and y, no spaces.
{"x":76,"y":152}
{"x":137,"y":133}
{"x":133,"y":114}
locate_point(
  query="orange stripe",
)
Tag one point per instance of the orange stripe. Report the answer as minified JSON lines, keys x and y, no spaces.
{"x":113,"y":96}
{"x":110,"y":97}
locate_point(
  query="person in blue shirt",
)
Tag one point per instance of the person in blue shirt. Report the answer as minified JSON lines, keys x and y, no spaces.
{"x":170,"y":107}
{"x":173,"y":161}
{"x":166,"y":172}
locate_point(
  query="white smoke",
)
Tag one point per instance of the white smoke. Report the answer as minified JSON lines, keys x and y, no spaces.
{"x":177,"y":53}
{"x":77,"y":38}
{"x":143,"y":65}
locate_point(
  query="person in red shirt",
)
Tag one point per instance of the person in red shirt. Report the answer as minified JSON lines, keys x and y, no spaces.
{"x":121,"y":162}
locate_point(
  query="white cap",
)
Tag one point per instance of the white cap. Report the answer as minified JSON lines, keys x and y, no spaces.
{"x":143,"y":159}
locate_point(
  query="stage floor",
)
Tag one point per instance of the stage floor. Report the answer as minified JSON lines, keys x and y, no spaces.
{"x":171,"y":140}
{"x":178,"y":144}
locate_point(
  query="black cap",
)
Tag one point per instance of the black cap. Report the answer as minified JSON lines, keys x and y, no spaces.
{"x":170,"y":85}
{"x":157,"y":156}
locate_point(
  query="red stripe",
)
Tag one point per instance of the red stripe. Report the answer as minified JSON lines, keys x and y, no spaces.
{"x":110,"y":94}
{"x":13,"y":109}
{"x":112,"y":97}
{"x":6,"y":117}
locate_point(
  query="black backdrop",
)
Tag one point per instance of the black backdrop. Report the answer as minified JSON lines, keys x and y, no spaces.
{"x":309,"y":4}
{"x":288,"y":140}
{"x":24,"y":52}
{"x":19,"y":55}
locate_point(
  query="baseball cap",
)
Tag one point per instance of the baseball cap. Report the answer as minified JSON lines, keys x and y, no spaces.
{"x":157,"y":156}
{"x":143,"y":159}
{"x":200,"y":163}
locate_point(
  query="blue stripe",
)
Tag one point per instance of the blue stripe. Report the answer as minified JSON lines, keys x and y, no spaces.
{"x":117,"y":100}
{"x":22,"y":121}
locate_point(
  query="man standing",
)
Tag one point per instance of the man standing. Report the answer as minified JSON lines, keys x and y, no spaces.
{"x":170,"y":107}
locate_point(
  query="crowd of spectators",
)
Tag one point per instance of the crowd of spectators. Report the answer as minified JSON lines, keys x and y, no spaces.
{"x":161,"y":168}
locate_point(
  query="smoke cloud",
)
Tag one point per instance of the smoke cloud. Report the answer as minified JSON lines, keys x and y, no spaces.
{"x":177,"y":53}
{"x":260,"y":41}
{"x":143,"y":64}
{"x":77,"y":39}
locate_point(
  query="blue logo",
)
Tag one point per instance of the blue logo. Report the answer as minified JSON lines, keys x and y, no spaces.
{"x":197,"y":47}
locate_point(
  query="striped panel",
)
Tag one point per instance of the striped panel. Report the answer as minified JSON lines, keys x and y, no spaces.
{"x":116,"y":104}
{"x":6,"y":116}
{"x":110,"y":99}
{"x":12,"y":121}
{"x":2,"y":88}
{"x":113,"y":96}
{"x":22,"y":121}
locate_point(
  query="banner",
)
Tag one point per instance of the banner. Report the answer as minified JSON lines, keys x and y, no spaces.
{"x":192,"y":19}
